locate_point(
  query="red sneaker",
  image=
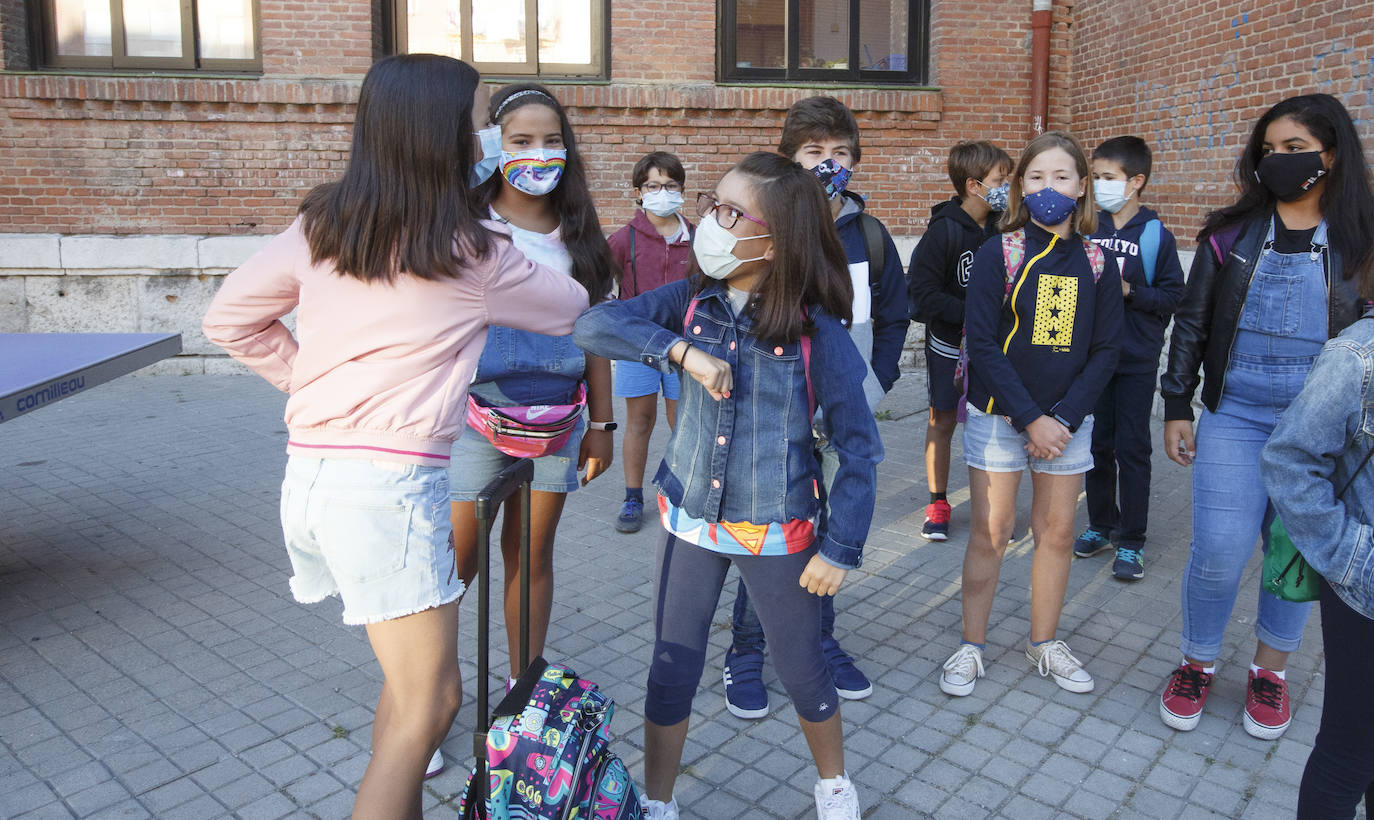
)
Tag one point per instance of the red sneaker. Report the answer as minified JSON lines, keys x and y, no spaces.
{"x":1180,"y":707}
{"x":1266,"y":705}
{"x":936,"y":527}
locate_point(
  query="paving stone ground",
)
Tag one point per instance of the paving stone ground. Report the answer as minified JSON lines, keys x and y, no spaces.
{"x":152,"y":663}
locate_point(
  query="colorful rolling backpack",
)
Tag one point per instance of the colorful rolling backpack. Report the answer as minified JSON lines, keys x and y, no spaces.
{"x":548,"y":753}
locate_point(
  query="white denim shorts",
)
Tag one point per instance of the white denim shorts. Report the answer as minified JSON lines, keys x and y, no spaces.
{"x":992,"y":445}
{"x":375,"y":533}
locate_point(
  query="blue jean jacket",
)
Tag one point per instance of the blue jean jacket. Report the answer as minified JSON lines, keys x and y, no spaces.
{"x":751,"y":457}
{"x":1319,"y":442}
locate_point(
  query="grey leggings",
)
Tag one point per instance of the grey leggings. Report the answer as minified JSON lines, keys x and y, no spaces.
{"x":689,"y":582}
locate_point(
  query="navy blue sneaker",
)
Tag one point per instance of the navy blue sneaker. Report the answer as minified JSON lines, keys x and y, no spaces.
{"x":745,"y":695}
{"x":850,"y":683}
{"x":1089,"y":543}
{"x":1128,"y":565}
{"x":631,"y":516}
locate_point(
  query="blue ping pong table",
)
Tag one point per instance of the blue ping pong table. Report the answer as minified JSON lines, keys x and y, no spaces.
{"x":37,"y":369}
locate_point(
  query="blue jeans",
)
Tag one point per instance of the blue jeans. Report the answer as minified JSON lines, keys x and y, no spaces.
{"x":1230,"y":510}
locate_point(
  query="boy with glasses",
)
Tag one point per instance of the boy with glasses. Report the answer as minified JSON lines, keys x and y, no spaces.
{"x":652,"y":250}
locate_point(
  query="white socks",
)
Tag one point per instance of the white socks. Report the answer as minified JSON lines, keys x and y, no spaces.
{"x":1278,"y":673}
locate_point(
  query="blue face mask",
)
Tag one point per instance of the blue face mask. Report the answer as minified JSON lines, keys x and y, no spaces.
{"x":490,"y":140}
{"x":1049,"y":207}
{"x":997,"y":198}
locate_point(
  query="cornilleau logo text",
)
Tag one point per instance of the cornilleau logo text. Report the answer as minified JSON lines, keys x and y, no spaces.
{"x":52,"y":392}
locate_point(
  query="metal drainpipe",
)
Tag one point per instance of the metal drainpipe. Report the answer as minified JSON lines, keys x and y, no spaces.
{"x":1041,"y":18}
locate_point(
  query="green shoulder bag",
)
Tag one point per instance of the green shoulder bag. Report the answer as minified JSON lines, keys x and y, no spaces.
{"x":1286,"y":573}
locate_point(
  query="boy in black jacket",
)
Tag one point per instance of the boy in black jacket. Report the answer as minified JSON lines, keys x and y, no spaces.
{"x":938,"y":274}
{"x":1152,"y":285}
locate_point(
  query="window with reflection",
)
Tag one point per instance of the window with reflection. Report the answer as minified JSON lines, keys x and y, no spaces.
{"x":212,"y":35}
{"x":545,"y":38}
{"x":864,"y":41}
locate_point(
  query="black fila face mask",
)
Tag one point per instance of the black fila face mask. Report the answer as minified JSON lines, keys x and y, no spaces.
{"x":1289,"y":176}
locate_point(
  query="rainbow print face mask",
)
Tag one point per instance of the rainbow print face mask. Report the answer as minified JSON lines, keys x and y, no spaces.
{"x":535,"y":172}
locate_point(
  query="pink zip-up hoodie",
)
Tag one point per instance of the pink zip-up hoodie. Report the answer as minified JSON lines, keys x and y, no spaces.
{"x":379,"y":370}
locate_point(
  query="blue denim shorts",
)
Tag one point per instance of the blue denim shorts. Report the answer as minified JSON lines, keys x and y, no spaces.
{"x":476,"y":461}
{"x":992,"y":445}
{"x":633,"y":379}
{"x":375,"y":533}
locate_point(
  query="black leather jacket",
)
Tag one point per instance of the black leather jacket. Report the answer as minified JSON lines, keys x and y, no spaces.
{"x":1205,"y":323}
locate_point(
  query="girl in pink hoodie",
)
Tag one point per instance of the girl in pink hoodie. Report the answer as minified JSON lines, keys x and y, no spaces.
{"x":394,"y":278}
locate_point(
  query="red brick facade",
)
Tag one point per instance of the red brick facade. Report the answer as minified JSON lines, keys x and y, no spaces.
{"x":1192,"y":78}
{"x":96,"y":154}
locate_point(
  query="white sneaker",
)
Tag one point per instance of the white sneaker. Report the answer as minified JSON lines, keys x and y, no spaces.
{"x":836,"y":799}
{"x":658,"y":810}
{"x":436,"y":764}
{"x":1055,"y":660}
{"x":962,"y":671}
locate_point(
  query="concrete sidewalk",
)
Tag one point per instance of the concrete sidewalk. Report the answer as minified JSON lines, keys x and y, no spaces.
{"x":152,"y":662}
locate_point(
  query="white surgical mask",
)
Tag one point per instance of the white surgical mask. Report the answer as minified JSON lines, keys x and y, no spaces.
{"x":714,"y":248}
{"x":490,"y":141}
{"x":1110,"y":194}
{"x":662,"y":202}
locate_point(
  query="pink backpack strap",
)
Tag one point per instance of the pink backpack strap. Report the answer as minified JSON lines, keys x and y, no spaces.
{"x":1095,"y":257}
{"x":1013,"y":251}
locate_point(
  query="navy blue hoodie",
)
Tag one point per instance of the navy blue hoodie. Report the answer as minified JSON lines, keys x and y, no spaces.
{"x":1052,"y":346}
{"x":1148,"y":307}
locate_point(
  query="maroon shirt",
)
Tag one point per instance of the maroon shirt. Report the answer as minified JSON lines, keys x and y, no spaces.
{"x":655,"y":263}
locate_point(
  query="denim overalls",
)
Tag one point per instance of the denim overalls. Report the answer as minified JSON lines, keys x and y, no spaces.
{"x":1282,"y":328}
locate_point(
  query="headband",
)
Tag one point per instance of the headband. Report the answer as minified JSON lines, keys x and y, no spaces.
{"x":496,"y":118}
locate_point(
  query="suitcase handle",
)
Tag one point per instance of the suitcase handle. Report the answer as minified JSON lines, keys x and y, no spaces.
{"x":515,"y":477}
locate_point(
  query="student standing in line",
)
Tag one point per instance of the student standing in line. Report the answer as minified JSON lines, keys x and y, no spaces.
{"x":395,"y":280}
{"x":937,"y":278}
{"x":761,"y":333}
{"x":540,"y":194}
{"x":1043,"y":328}
{"x":1151,"y":285}
{"x":822,"y":135}
{"x":651,"y":251}
{"x":1275,"y":276}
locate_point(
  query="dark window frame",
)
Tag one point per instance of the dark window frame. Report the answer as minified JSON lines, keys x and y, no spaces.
{"x":396,"y":27}
{"x":918,"y":51}
{"x":120,"y":61}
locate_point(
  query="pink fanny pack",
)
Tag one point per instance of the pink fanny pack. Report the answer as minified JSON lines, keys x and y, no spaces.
{"x":528,"y":432}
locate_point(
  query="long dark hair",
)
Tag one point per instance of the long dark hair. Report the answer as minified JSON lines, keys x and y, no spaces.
{"x":404,"y":198}
{"x":809,"y":266}
{"x":1347,"y":201}
{"x":592,"y":264}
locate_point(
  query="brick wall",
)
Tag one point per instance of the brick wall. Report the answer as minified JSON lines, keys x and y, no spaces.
{"x":206,"y":157}
{"x":1192,"y":79}
{"x":225,"y":156}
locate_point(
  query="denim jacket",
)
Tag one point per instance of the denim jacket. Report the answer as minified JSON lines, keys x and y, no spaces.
{"x":751,"y":456}
{"x":1318,"y":443}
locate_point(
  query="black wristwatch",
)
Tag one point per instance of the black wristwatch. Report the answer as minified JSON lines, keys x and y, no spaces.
{"x":608,"y":426}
